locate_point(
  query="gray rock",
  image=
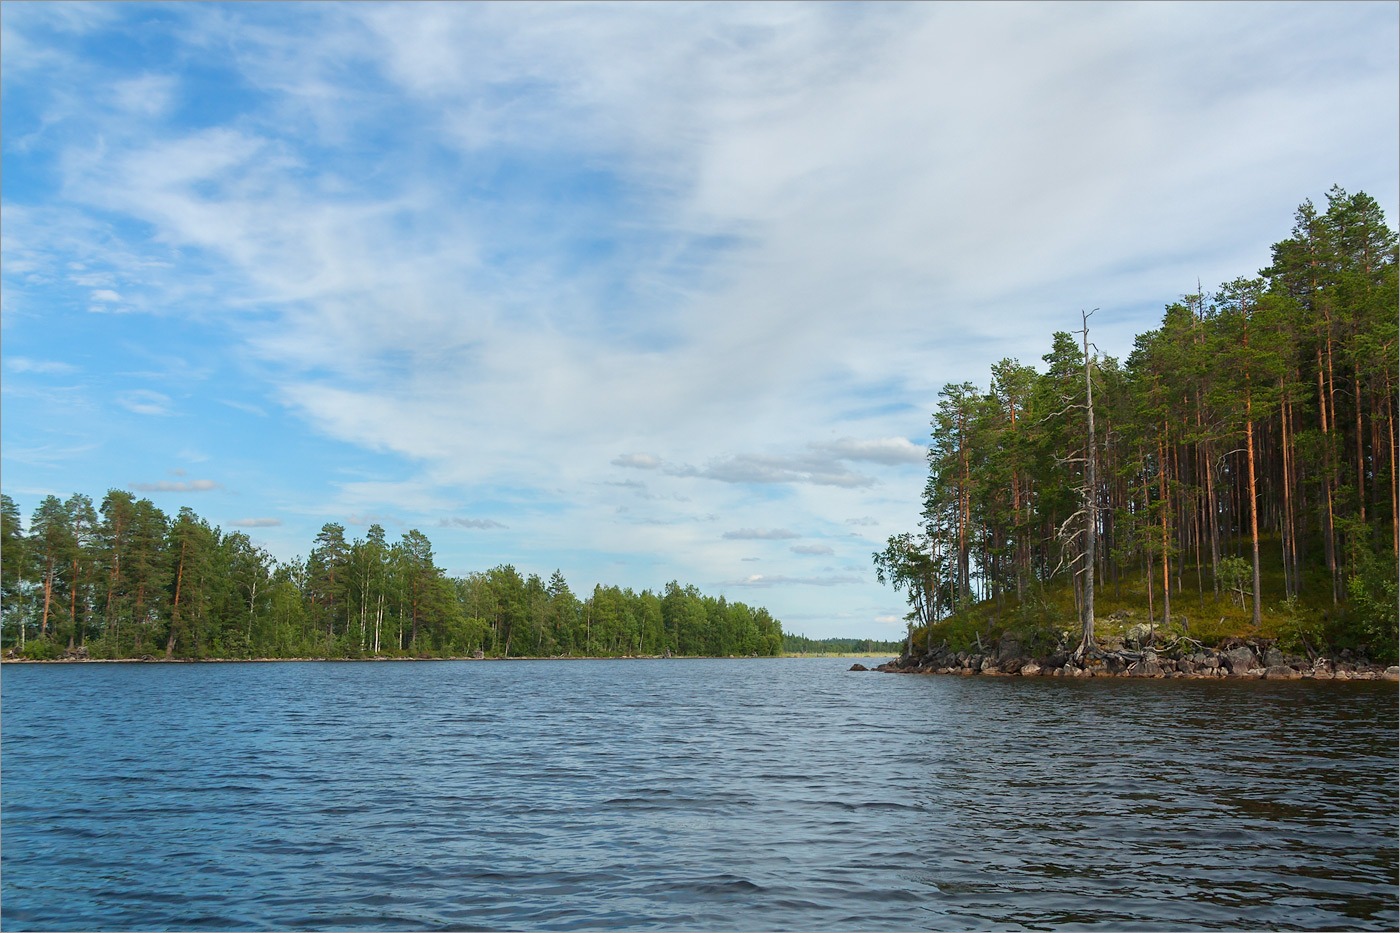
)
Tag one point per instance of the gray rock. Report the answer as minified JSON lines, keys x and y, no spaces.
{"x":1186,"y":666}
{"x":1135,"y":635}
{"x":1008,"y":648}
{"x":859,"y":667}
{"x":1030,"y":669}
{"x":1280,"y":672}
{"x":1392,"y":673}
{"x":1240,"y":660}
{"x":1273,"y":657}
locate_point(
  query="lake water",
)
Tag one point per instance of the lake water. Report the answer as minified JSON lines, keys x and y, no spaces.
{"x":688,"y":795}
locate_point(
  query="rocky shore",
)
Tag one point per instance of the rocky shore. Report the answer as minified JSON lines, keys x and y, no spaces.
{"x":1182,"y":657}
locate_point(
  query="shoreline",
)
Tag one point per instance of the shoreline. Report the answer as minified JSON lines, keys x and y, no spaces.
{"x":380,"y":658}
{"x":1174,"y":661}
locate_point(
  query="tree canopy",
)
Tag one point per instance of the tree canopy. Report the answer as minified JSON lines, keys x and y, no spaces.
{"x":1254,"y":428}
{"x":123,"y":579}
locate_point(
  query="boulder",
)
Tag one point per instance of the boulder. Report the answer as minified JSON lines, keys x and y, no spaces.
{"x":1186,"y":666}
{"x":1030,"y":669}
{"x":1146,"y":669}
{"x":1392,"y":673}
{"x":859,"y":667}
{"x":1209,"y":662}
{"x":1135,"y":635}
{"x":1240,"y":660}
{"x":1273,"y":657}
{"x":1008,"y":648}
{"x":1280,"y":672}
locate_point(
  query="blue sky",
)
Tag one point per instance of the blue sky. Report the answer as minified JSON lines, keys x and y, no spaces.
{"x":640,"y":292}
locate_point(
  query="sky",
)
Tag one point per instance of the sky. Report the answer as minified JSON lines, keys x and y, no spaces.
{"x":640,"y":292}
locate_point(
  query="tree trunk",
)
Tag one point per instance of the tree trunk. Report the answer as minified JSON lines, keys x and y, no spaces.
{"x":1090,"y":500}
{"x":1253,"y":498}
{"x":1166,"y":563}
{"x":175,"y":610}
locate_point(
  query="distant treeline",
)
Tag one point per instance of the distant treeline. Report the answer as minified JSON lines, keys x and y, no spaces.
{"x":801,"y":644}
{"x":122,"y":579}
{"x":1245,"y":450}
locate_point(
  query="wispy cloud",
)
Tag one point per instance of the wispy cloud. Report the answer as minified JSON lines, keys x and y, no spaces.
{"x":759,"y":579}
{"x":194,"y":485}
{"x":145,"y":402}
{"x":479,"y":255}
{"x":20,"y":364}
{"x":811,"y":549}
{"x":458,"y":522}
{"x":760,"y":534}
{"x":256,"y":523}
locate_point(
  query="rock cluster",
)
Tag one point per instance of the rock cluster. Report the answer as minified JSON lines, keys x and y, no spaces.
{"x":1254,"y":661}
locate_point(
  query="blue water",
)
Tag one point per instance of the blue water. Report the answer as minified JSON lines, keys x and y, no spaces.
{"x":689,"y":795}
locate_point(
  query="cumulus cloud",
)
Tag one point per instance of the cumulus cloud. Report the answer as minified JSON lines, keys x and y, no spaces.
{"x":760,"y":534}
{"x":887,"y":450}
{"x":194,"y":485}
{"x":256,"y":523}
{"x":812,"y":549}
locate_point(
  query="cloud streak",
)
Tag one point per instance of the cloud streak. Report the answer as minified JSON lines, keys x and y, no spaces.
{"x":194,"y":485}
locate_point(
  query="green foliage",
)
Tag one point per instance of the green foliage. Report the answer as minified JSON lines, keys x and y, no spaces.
{"x":1247,"y":438}
{"x":125,"y":581}
{"x":1374,"y":611}
{"x":1237,"y":578}
{"x":42,"y":649}
{"x":801,"y":644}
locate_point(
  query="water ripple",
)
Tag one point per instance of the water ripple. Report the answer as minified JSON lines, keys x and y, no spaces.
{"x":688,"y":795}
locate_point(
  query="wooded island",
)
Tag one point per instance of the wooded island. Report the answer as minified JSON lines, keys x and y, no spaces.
{"x":1234,"y":479}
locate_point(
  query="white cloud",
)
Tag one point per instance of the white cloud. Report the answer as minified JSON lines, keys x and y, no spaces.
{"x":20,"y":364}
{"x":145,"y":402}
{"x":887,"y":450}
{"x":457,"y":522}
{"x":741,"y":244}
{"x":760,"y":534}
{"x":256,"y":523}
{"x":811,"y":549}
{"x":194,"y":485}
{"x":759,"y":579}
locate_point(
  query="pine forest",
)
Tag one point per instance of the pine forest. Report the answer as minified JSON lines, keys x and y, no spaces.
{"x":1233,"y":478}
{"x":123,"y":580}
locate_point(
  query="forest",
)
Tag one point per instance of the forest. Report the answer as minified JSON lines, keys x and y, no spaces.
{"x":1234,"y":477}
{"x":124,"y":580}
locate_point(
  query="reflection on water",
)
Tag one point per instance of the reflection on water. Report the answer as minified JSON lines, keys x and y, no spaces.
{"x":705,"y":795}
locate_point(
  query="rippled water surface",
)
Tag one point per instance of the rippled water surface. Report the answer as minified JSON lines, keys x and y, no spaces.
{"x":691,"y":795}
